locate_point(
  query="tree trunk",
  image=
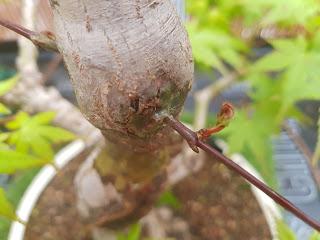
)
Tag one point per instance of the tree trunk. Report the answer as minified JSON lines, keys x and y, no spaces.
{"x":131,"y":65}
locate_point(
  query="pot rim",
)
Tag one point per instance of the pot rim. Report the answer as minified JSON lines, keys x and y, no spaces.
{"x":38,"y":184}
{"x":268,"y":206}
{"x":17,"y":230}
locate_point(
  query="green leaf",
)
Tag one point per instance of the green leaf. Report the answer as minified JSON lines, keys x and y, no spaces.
{"x":12,"y":161}
{"x":134,"y":232}
{"x":274,"y":61}
{"x":284,"y":232}
{"x":293,"y":46}
{"x":55,"y":134}
{"x":34,"y":134}
{"x":286,"y":52}
{"x":4,"y":228}
{"x":20,"y":142}
{"x":288,"y":74}
{"x":299,"y":62}
{"x":213,"y":46}
{"x":232,"y":57}
{"x":14,"y":193}
{"x":19,"y":183}
{"x":41,"y":147}
{"x":169,"y":199}
{"x":315,"y":236}
{"x":3,"y":137}
{"x":297,"y":12}
{"x":4,"y":109}
{"x":18,"y":121}
{"x":4,"y":146}
{"x":121,"y":236}
{"x":43,"y":118}
{"x":6,"y":209}
{"x":301,"y":80}
{"x":8,"y":84}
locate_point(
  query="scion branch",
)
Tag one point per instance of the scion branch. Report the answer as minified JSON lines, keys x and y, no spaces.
{"x":45,"y":39}
{"x":195,"y":142}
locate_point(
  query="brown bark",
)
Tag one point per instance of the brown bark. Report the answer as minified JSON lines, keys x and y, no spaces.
{"x":128,"y":61}
{"x":131,"y":65}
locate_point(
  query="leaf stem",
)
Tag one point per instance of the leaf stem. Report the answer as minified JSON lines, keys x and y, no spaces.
{"x":278,"y":198}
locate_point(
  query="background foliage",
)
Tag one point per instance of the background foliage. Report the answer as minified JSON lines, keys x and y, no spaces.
{"x":25,"y":141}
{"x":271,"y":45}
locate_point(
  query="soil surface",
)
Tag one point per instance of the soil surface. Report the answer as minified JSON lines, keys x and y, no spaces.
{"x":55,"y":216}
{"x":215,"y":203}
{"x":219,"y":204}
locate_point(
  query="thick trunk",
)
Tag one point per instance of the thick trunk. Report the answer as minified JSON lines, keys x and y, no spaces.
{"x":130,"y":63}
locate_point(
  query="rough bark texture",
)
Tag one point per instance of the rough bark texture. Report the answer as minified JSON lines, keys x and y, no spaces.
{"x":131,"y":65}
{"x":128,"y":61}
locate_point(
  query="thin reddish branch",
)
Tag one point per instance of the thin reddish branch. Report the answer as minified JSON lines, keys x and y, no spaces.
{"x":205,"y":133}
{"x":196,"y":143}
{"x":18,"y":29}
{"x":45,"y":39}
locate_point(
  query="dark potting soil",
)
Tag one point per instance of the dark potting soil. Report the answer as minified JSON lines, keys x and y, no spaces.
{"x":215,"y":203}
{"x":219,"y":205}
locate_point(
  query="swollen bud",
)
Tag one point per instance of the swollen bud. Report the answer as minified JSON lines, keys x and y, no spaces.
{"x":224,"y":117}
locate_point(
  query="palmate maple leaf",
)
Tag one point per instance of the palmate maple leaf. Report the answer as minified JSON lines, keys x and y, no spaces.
{"x":35,"y":134}
{"x":7,"y":209}
{"x":212,"y":47}
{"x":297,"y":61}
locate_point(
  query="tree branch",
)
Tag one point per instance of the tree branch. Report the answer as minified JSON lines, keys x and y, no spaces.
{"x":197,"y":143}
{"x":45,"y":39}
{"x":17,"y":28}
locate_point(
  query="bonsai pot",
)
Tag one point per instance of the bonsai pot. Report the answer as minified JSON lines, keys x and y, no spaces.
{"x":47,"y":174}
{"x":39,"y":183}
